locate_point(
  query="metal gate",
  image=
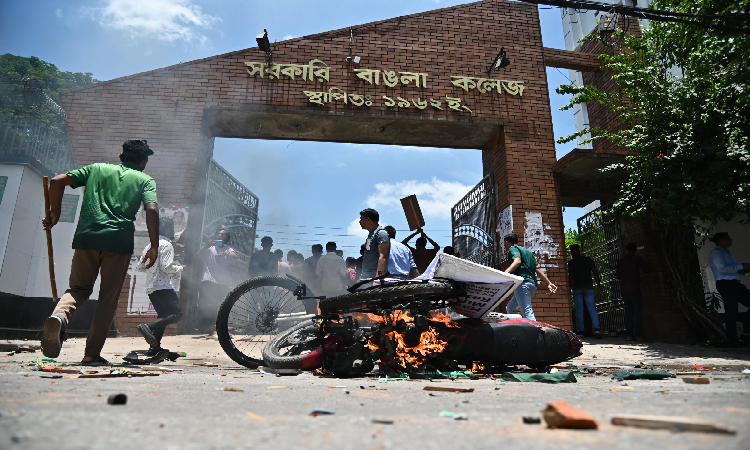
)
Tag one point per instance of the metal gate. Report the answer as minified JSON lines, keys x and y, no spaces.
{"x":599,"y":232}
{"x":230,"y":205}
{"x":473,"y":224}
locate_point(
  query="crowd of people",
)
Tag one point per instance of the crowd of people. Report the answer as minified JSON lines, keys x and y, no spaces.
{"x":329,"y":274}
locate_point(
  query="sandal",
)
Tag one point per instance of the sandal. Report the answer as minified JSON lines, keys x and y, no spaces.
{"x":98,"y":361}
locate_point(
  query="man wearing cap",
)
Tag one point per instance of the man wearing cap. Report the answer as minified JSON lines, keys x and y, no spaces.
{"x":103,"y":241}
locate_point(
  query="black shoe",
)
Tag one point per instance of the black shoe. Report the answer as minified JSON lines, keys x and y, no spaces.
{"x":148,"y":335}
{"x":54,"y":329}
{"x":597,"y":334}
{"x":98,"y":361}
{"x":153,"y":351}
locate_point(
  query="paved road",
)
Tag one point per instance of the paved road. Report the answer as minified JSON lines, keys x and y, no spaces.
{"x":190,"y":409}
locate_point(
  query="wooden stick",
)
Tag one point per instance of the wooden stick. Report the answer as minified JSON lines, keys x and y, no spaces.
{"x":671,"y":423}
{"x":48,"y":215}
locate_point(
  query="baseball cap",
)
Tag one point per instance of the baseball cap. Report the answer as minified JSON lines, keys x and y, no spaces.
{"x":137,"y":148}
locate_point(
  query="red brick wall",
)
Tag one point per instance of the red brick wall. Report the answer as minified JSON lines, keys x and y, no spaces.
{"x":461,"y":40}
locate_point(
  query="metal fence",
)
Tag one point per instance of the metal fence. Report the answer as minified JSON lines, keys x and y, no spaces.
{"x":36,"y":140}
{"x":599,"y":232}
{"x":473,"y":224}
{"x":230,"y":205}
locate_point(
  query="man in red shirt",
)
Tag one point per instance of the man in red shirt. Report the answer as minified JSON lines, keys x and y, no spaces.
{"x":422,"y":255}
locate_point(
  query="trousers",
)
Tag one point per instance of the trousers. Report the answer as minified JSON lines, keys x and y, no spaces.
{"x":732,"y":294}
{"x":86,"y":266}
{"x":168,"y":311}
{"x":587,"y":297}
{"x":633,"y":313}
{"x":522,"y":299}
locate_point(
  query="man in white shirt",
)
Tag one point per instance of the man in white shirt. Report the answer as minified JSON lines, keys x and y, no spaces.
{"x":728,"y":273}
{"x":400,"y":260}
{"x":159,"y":287}
{"x":284,"y":268}
{"x":331,"y":268}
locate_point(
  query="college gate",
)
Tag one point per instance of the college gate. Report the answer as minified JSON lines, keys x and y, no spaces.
{"x":425,"y":79}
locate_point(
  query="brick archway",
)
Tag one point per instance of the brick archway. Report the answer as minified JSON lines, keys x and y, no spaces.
{"x":416,"y":97}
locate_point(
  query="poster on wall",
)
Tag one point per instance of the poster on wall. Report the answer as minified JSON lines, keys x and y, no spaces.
{"x":536,"y":239}
{"x":504,"y":228}
{"x":138,"y":302}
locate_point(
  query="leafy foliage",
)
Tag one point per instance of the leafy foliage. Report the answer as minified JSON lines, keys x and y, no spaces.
{"x":51,"y":79}
{"x":687,"y":115}
{"x":571,"y":237}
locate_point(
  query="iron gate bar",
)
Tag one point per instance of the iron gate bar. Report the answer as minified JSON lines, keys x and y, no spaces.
{"x":599,"y":232}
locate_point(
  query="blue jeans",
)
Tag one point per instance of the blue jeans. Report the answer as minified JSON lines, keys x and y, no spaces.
{"x":581,"y":296}
{"x":522,"y":299}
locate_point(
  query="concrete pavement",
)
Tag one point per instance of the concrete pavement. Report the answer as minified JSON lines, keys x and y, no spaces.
{"x":189,"y":409}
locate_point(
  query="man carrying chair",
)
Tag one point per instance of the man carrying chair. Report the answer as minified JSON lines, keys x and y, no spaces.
{"x":103,"y":241}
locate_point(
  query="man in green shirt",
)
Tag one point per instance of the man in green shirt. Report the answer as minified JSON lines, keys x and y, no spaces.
{"x":523,"y":263}
{"x":103,"y":241}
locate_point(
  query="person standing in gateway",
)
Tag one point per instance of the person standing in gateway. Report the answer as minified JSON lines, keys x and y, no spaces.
{"x":103,"y":242}
{"x":523,"y":263}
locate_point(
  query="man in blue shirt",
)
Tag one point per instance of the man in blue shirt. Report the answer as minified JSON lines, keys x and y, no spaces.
{"x":400,"y":260}
{"x":377,"y":246}
{"x":728,"y":272}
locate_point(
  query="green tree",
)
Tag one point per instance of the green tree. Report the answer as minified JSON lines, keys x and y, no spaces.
{"x":687,"y":113}
{"x":571,"y":237}
{"x":14,"y":68}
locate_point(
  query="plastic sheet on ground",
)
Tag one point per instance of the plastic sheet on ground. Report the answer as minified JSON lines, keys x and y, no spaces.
{"x":650,"y":375}
{"x":557,"y":377}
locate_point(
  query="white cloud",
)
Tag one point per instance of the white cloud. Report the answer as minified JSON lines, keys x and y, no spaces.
{"x":58,"y":13}
{"x":356,"y":230}
{"x":167,"y":20}
{"x":287,"y":37}
{"x":436,"y":197}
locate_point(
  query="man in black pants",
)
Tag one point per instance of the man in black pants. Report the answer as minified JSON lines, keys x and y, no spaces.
{"x":159,"y":288}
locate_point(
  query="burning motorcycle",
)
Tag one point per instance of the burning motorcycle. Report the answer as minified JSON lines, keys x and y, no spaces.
{"x":441,"y":320}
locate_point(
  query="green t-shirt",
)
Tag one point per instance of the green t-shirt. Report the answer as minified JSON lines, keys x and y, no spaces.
{"x":110,"y":203}
{"x":527,"y":269}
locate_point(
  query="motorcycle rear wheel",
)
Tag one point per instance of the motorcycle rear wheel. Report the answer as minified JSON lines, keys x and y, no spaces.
{"x":253,"y":313}
{"x":299,"y":340}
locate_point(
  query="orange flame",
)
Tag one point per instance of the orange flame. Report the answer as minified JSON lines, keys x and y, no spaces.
{"x":406,"y":355}
{"x":477,"y":367}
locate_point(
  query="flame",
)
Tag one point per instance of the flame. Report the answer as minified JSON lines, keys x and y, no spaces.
{"x":477,"y":367}
{"x":406,"y":355}
{"x":429,"y":343}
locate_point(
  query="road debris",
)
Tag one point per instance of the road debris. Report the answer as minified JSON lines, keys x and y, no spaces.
{"x":117,"y":399}
{"x":649,"y":375}
{"x":448,"y":389}
{"x":321,"y":412}
{"x":382,"y":421}
{"x":671,"y":423}
{"x":557,"y":377}
{"x":700,"y":367}
{"x":696,"y":380}
{"x":560,"y":414}
{"x":532,"y":420}
{"x":231,"y":389}
{"x":461,"y":416}
{"x":206,"y":364}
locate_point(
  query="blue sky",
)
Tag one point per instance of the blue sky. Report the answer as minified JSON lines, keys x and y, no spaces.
{"x":301,"y":185}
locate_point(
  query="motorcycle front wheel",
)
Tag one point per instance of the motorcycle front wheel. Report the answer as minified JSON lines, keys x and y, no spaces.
{"x":254,"y":312}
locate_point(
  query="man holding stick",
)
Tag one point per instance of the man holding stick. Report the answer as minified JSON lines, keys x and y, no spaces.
{"x":103,"y":241}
